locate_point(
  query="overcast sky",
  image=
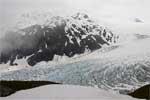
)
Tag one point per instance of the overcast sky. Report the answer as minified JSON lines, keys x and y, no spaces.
{"x":107,"y":9}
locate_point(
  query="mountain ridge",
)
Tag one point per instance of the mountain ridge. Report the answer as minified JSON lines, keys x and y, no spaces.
{"x":59,"y":36}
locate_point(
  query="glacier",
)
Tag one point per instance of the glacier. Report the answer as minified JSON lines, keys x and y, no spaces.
{"x":121,"y":68}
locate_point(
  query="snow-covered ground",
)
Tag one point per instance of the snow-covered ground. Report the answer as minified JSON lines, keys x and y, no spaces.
{"x":7,"y":67}
{"x":121,"y":68}
{"x":66,"y":92}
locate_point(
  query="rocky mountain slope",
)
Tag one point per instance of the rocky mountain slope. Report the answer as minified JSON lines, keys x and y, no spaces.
{"x":61,"y":36}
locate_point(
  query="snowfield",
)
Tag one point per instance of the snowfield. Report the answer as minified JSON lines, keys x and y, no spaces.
{"x":108,"y":72}
{"x":66,"y":92}
{"x":121,"y":68}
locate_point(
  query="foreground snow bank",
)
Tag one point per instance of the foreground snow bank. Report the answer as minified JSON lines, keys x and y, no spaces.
{"x":63,"y":92}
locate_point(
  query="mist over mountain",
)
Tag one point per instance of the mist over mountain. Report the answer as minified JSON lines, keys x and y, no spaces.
{"x":61,"y":36}
{"x":104,"y":46}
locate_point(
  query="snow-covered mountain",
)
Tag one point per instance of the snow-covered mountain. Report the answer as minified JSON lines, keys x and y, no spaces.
{"x":63,"y":36}
{"x":121,"y":67}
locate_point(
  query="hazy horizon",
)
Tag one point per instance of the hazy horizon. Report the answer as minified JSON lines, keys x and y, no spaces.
{"x":111,"y":11}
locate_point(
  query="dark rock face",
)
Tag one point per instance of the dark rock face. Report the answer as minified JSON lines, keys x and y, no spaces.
{"x":9,"y":87}
{"x":138,"y":20}
{"x":142,"y":93}
{"x":62,"y":36}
